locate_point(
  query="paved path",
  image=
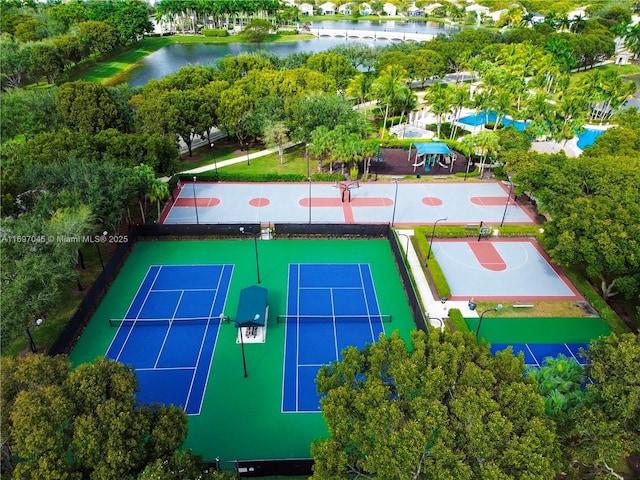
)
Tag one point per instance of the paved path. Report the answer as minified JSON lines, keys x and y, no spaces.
{"x":433,"y":308}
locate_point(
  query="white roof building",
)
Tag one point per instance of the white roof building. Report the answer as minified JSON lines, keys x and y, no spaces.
{"x":345,"y":8}
{"x":390,"y":9}
{"x":365,"y":9}
{"x":328,"y":8}
{"x":306,"y":9}
{"x":430,"y":8}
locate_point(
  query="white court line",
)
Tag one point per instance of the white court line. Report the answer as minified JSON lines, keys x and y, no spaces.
{"x":170,"y":290}
{"x":215,"y":342}
{"x":146,"y":297}
{"x":284,"y":359}
{"x":580,"y":362}
{"x":202,"y":342}
{"x":298,"y":342}
{"x":335,"y":328}
{"x":166,"y":333}
{"x":534,"y":357}
{"x":195,"y":370}
{"x":160,"y":369}
{"x":312,"y":365}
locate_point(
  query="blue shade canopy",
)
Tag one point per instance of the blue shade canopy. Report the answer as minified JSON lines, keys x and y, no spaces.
{"x":252,"y":307}
{"x":432,"y":148}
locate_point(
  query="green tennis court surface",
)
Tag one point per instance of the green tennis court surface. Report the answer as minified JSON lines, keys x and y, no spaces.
{"x":241,"y":418}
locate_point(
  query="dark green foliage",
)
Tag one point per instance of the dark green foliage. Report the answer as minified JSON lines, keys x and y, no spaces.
{"x":214,"y":32}
{"x":443,"y":406}
{"x":82,"y":423}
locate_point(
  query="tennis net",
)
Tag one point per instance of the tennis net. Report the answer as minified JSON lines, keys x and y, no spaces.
{"x":334,"y":318}
{"x":165,"y":322}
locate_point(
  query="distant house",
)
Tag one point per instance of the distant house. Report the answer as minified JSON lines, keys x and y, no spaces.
{"x":306,"y":10}
{"x":414,"y":11}
{"x":430,"y":8}
{"x":365,"y":9}
{"x":479,"y":10}
{"x":328,"y":8}
{"x":495,"y":16}
{"x":536,"y":18}
{"x":578,"y":13}
{"x":390,"y":9}
{"x":345,"y":9}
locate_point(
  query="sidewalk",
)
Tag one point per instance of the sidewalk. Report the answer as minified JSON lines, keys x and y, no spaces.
{"x":434,"y":310}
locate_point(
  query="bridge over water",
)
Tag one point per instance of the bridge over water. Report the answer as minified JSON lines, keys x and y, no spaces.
{"x":374,"y":35}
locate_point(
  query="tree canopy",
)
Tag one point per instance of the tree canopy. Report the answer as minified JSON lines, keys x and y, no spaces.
{"x":445,"y":408}
{"x":64,"y":423}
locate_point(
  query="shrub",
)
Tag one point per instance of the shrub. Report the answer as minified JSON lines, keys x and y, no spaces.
{"x":472,"y":173}
{"x":214,"y":32}
{"x":596,"y":301}
{"x":492,"y":125}
{"x":457,"y":321}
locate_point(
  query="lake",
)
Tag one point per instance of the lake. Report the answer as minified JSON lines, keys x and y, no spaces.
{"x":172,"y":58}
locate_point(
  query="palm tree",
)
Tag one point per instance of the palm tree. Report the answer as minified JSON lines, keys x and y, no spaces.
{"x":501,"y":104}
{"x":538,"y":112}
{"x":405,"y":100}
{"x":158,"y":190}
{"x":439,"y":101}
{"x":360,"y":87}
{"x":385,"y":88}
{"x":459,"y":97}
{"x":488,"y":143}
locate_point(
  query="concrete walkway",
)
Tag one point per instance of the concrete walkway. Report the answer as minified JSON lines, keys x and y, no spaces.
{"x":434,"y":309}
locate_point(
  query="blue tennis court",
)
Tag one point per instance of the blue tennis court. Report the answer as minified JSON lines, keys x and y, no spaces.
{"x":329,"y":307}
{"x":535,"y":353}
{"x":169,"y":332}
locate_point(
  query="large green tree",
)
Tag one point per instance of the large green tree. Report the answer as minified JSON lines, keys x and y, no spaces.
{"x":88,"y":107}
{"x":82,"y":423}
{"x":445,"y":408}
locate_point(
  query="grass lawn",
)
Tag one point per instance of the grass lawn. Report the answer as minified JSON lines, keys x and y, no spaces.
{"x":625,"y":71}
{"x":111,"y":69}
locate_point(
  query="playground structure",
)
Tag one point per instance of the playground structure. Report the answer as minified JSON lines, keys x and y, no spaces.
{"x":428,"y":154}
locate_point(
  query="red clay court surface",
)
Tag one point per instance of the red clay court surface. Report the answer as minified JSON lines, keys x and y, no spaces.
{"x":501,"y":269}
{"x":412,"y":203}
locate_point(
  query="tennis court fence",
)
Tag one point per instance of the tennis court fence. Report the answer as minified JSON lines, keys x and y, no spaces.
{"x":96,"y":292}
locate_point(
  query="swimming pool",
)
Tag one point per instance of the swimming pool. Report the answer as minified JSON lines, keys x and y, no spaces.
{"x":410,"y":131}
{"x":585,"y":139}
{"x":588,"y":137}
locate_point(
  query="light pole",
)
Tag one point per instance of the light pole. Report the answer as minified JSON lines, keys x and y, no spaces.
{"x":244,"y":359}
{"x":215,"y":162}
{"x":32,"y":344}
{"x":104,"y":235}
{"x":395,"y":199}
{"x":195,"y":200}
{"x":433,"y":232}
{"x":255,"y":242}
{"x":494,"y":309}
{"x":468,"y":161}
{"x":438,"y":319}
{"x":506,"y":205}
{"x":306,"y":154}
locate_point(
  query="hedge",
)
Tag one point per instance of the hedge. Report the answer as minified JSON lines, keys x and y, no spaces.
{"x":214,"y":32}
{"x":457,"y":321}
{"x":212,"y":176}
{"x":596,"y":301}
